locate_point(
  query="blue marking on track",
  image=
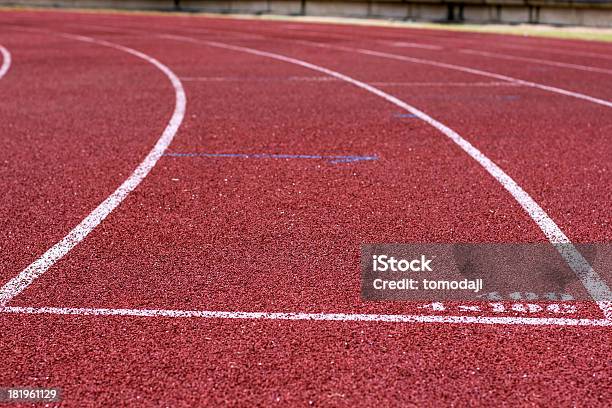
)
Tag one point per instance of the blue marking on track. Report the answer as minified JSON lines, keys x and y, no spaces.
{"x":331,"y":159}
{"x":405,"y":115}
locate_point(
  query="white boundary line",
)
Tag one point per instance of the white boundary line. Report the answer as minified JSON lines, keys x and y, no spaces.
{"x":594,"y":284}
{"x":343,"y":317}
{"x":537,"y":61}
{"x":6,"y":61}
{"x":19,"y":283}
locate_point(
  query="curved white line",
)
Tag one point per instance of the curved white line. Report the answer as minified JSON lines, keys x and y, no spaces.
{"x":490,"y":75}
{"x":538,"y":61}
{"x":593,"y":283}
{"x":464,"y":69}
{"x":6,"y":61}
{"x":461,"y":68}
{"x":559,"y":51}
{"x":19,"y":283}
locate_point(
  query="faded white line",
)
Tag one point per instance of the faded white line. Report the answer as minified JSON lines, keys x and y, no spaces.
{"x":458,"y":84}
{"x":258,"y":79}
{"x":538,"y":61}
{"x":404,"y":44}
{"x":6,"y":61}
{"x":331,"y":79}
{"x":594,"y":284}
{"x":337,"y":317}
{"x":19,"y":283}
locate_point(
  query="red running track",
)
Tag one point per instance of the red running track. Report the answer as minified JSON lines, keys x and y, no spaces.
{"x":231,"y":235}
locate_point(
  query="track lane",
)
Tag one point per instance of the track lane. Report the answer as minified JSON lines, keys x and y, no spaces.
{"x":596,"y":156}
{"x":553,"y":63}
{"x":446,"y":41}
{"x":20,"y":282}
{"x":45,"y":153}
{"x":541,"y":76}
{"x":122,"y":361}
{"x":342,"y":31}
{"x":463,"y":61}
{"x":451,"y":41}
{"x":395,"y":38}
{"x":578,"y":141}
{"x":456,"y":38}
{"x":207,"y":211}
{"x":204,"y":361}
{"x":576,"y":187}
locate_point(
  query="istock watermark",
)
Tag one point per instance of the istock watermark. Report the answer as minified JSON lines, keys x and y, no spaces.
{"x":383,"y":263}
{"x":437,"y":272}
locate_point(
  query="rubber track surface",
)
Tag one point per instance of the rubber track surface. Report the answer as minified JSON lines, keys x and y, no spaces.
{"x":283,"y":235}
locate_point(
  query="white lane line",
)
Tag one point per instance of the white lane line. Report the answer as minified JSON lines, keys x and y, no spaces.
{"x":537,"y":61}
{"x":558,"y":51}
{"x":459,"y":84}
{"x":6,"y":61}
{"x":463,"y":69}
{"x":19,"y":283}
{"x":594,"y":284}
{"x":435,"y":47}
{"x":338,"y":317}
{"x":330,"y":79}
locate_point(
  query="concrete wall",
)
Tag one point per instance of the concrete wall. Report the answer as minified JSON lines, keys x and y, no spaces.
{"x":561,"y":12}
{"x":116,"y":4}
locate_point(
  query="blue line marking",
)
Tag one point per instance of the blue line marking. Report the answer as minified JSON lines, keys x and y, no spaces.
{"x":331,"y":159}
{"x":405,"y":115}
